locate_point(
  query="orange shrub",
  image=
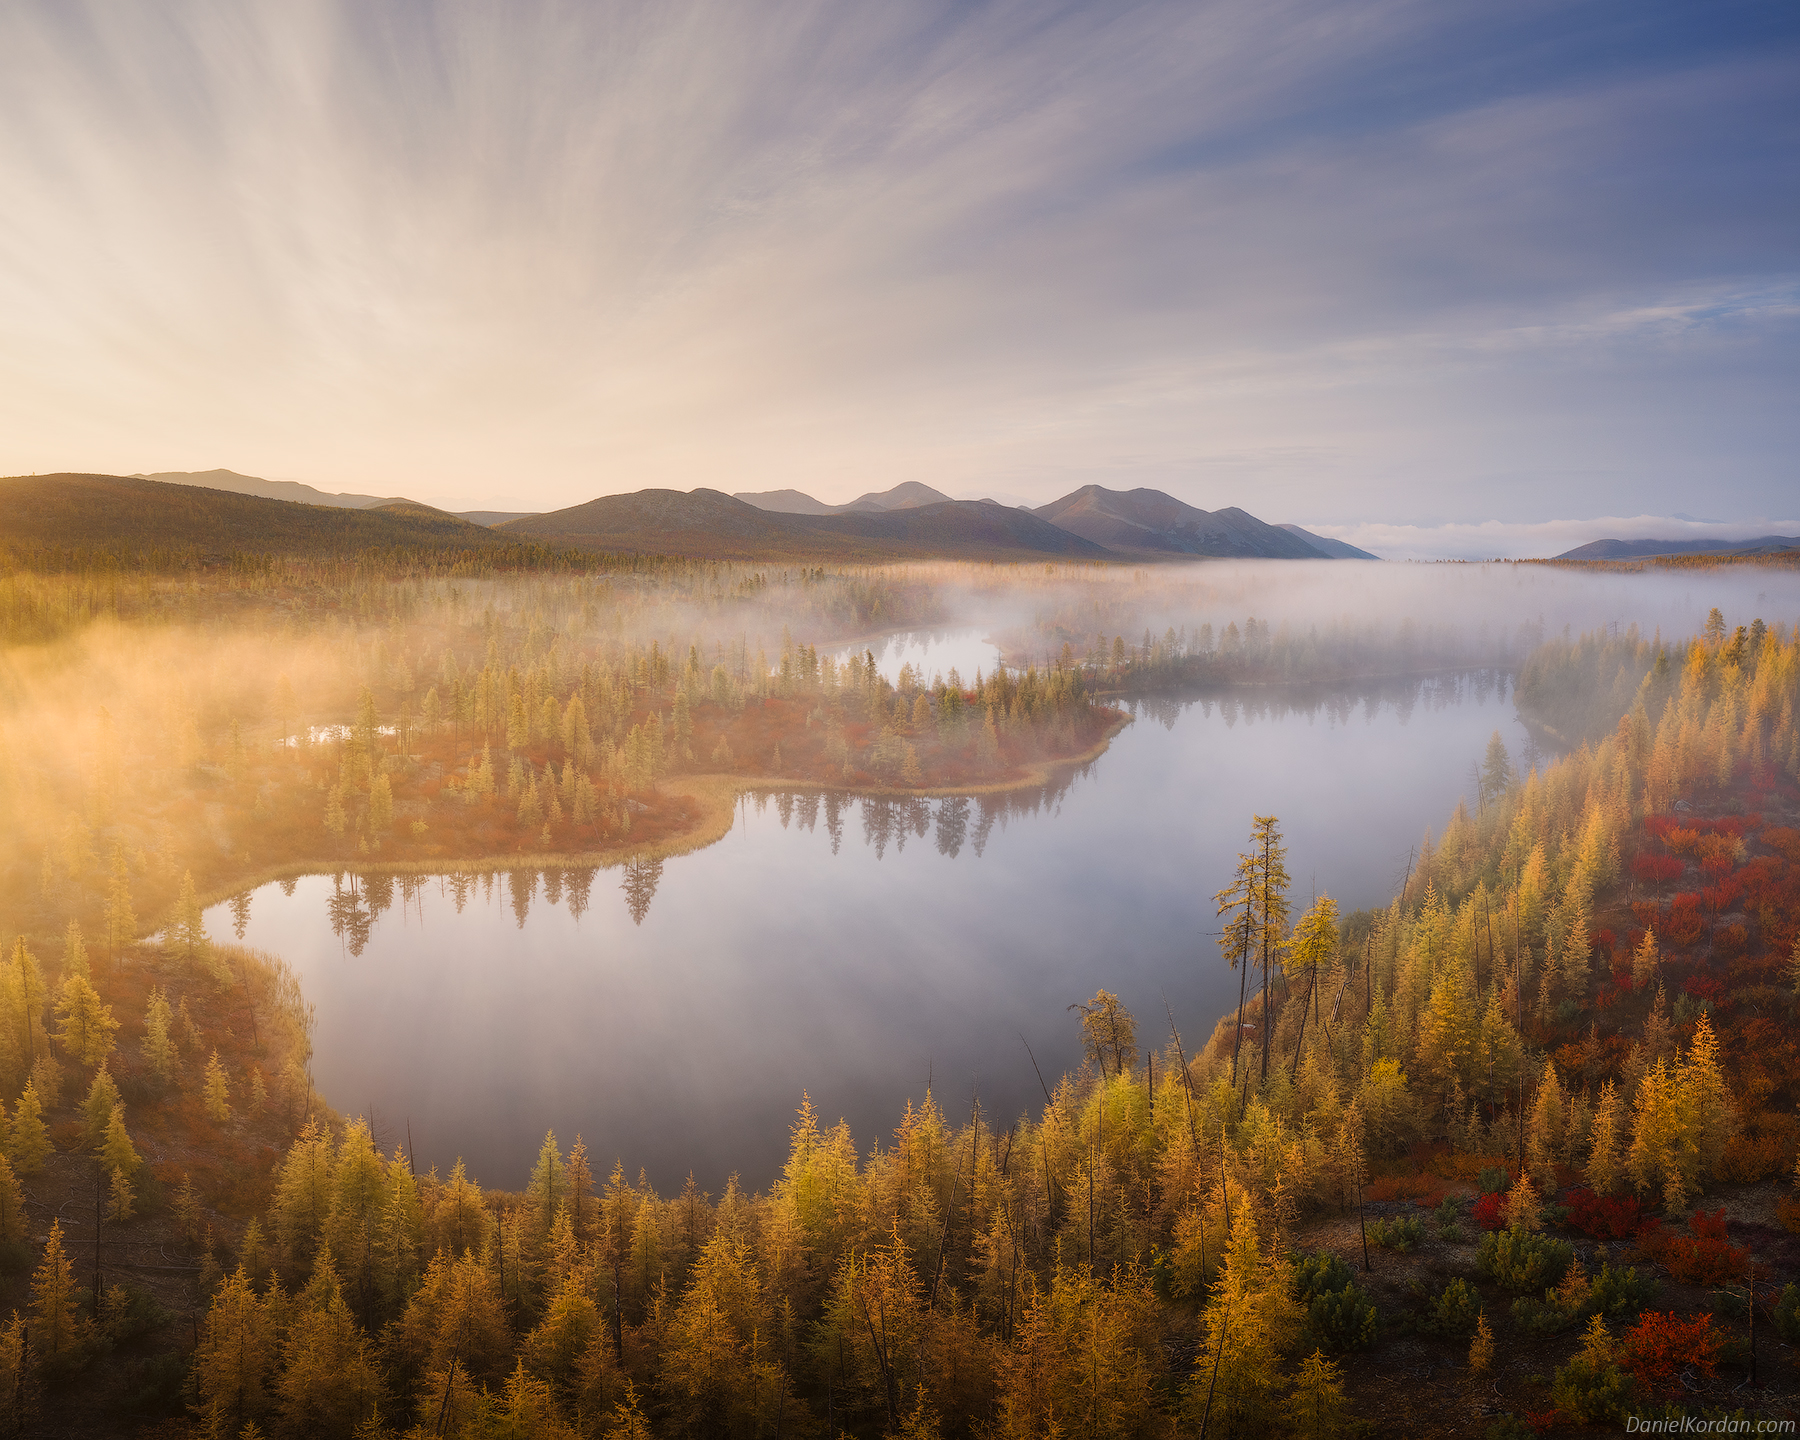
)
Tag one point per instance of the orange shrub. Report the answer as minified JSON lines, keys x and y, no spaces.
{"x":1659,"y":1346}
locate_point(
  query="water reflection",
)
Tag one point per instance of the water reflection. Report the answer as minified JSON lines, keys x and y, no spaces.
{"x":952,"y":823}
{"x":672,"y":1011}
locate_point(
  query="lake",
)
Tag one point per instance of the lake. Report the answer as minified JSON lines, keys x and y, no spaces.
{"x":855,"y":949}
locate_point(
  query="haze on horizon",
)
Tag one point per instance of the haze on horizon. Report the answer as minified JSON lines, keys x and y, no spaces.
{"x":1426,"y":277}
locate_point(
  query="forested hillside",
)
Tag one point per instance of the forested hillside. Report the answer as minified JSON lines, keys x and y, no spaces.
{"x":1571,"y":1037}
{"x":101,"y":523}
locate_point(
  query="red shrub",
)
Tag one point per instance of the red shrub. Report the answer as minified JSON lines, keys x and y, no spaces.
{"x":1647,"y":913}
{"x":1683,"y":924}
{"x":1784,"y":839}
{"x":1717,"y":898}
{"x":1704,"y":1257}
{"x":1702,"y":987}
{"x":1657,"y":1348}
{"x":1656,"y":870}
{"x":1716,"y":867}
{"x":1604,"y":1218}
{"x":1490,"y":1212}
{"x":1731,"y":941}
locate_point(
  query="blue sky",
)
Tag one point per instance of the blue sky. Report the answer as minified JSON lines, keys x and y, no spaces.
{"x":1394,"y":269}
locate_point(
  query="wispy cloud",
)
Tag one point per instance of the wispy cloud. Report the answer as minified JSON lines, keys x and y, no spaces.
{"x":1379,"y":258}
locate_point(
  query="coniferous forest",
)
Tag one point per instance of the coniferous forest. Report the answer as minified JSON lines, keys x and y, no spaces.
{"x":1517,"y":1151}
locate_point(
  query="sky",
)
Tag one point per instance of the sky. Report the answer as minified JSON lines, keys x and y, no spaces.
{"x":1436,"y":277}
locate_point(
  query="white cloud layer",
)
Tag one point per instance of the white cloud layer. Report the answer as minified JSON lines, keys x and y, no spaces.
{"x":1337,"y":259}
{"x":1536,"y":540}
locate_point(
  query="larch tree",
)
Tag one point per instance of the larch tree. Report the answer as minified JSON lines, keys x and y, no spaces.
{"x":1549,"y":1119}
{"x":1605,"y":1166}
{"x":27,"y":1138}
{"x":75,"y":957}
{"x":59,"y":1331}
{"x":121,"y":918}
{"x":236,"y":1355}
{"x":117,"y":1152}
{"x":97,"y":1109}
{"x":217,"y":1091}
{"x":121,"y":1197}
{"x":547,"y":1189}
{"x":1496,"y":773}
{"x":381,"y":804}
{"x":157,"y":1045}
{"x":1645,"y":959}
{"x":1237,"y":941}
{"x":12,"y":1206}
{"x":1269,"y":885}
{"x":1108,"y":1033}
{"x":187,"y":927}
{"x":86,"y":1027}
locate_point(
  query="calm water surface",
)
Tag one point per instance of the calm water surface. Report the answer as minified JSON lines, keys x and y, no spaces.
{"x":673,"y":1014}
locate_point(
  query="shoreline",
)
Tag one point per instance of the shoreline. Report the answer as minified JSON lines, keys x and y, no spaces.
{"x":718,"y":796}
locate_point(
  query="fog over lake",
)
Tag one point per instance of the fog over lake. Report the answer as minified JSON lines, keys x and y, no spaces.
{"x":852,"y":948}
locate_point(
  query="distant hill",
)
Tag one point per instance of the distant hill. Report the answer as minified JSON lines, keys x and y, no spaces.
{"x":710,"y":523}
{"x":129,"y":515}
{"x":494,"y":517}
{"x":908,"y":495}
{"x":786,"y":502}
{"x":296,"y":493}
{"x":961,"y":524}
{"x":140,"y":516}
{"x":1150,"y":523}
{"x":1643,"y":549}
{"x":292,"y":490}
{"x":1330,"y":549}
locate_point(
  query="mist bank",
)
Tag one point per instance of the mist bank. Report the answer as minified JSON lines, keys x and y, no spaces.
{"x":149,"y":723}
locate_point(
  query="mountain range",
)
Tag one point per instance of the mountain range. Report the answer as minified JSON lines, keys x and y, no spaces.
{"x":1645,"y":549}
{"x":221,"y":511}
{"x":293,"y":490}
{"x":914,"y":521}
